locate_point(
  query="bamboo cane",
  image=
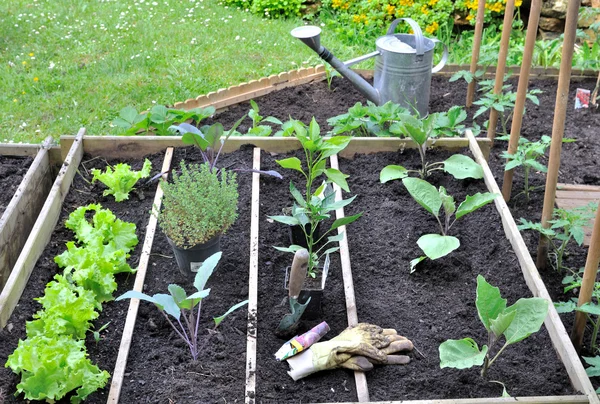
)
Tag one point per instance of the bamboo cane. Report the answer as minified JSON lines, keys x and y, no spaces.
{"x":588,"y":283}
{"x":501,"y":67}
{"x":476,"y":48}
{"x":517,"y":120}
{"x":595,"y":93}
{"x":558,"y":125}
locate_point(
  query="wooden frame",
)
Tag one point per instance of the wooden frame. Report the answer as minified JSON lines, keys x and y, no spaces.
{"x":20,"y":214}
{"x":137,"y":146}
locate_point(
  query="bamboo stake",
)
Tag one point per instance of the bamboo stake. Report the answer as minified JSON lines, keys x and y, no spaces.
{"x":595,"y":93}
{"x":558,"y":125}
{"x":501,"y":68}
{"x":476,"y":48}
{"x":588,"y":283}
{"x":517,"y":120}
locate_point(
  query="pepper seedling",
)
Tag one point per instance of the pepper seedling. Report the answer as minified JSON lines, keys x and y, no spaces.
{"x":515,"y":323}
{"x":439,"y":245}
{"x":180,"y":306}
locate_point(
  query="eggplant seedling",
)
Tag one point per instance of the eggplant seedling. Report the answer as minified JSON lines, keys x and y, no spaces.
{"x":439,"y":245}
{"x":515,"y":323}
{"x":421,"y":131}
{"x":182,"y":307}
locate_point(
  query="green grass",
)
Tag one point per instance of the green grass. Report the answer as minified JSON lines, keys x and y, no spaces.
{"x":71,"y":64}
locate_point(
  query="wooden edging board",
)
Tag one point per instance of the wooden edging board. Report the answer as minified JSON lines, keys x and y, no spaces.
{"x":556,"y":329}
{"x":225,"y":97}
{"x":20,"y":214}
{"x":41,"y":231}
{"x":134,"y":304}
{"x":137,"y":146}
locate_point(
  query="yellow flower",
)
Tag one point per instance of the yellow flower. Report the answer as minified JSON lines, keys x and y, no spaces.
{"x":430,"y":29}
{"x":15,"y":100}
{"x":31,"y":54}
{"x":355,"y":19}
{"x":424,"y":10}
{"x":36,"y":79}
{"x":433,"y":2}
{"x":470,"y":17}
{"x":518,"y":3}
{"x":24,"y":63}
{"x":23,"y":92}
{"x":390,"y":9}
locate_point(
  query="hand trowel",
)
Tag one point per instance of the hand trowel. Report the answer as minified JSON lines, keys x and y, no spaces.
{"x":296,"y":280}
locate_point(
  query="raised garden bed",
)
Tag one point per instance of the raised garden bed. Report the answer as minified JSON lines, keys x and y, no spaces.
{"x":26,"y":175}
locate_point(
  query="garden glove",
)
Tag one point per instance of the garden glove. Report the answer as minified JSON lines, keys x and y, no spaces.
{"x":356,"y":348}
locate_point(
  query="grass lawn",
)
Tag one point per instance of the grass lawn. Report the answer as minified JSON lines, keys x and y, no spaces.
{"x":68,"y":64}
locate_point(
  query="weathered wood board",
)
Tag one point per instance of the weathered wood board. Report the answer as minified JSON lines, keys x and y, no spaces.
{"x":569,"y":196}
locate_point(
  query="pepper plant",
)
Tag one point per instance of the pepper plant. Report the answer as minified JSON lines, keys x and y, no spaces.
{"x":566,"y":225}
{"x":514,"y":323}
{"x":315,"y":205}
{"x":439,"y":245}
{"x":421,"y":131}
{"x":258,"y":129}
{"x":180,"y":306}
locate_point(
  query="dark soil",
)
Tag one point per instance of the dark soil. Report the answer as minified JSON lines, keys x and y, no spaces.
{"x":12,"y":171}
{"x":135,"y":210}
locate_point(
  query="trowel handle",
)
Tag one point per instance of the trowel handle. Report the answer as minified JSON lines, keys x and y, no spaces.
{"x":298,"y":272}
{"x":416,"y":29}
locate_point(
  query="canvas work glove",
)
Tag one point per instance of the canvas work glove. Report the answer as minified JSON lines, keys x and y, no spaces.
{"x":356,"y":348}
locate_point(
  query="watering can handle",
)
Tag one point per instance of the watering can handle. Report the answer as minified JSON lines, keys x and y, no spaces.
{"x":442,"y":62}
{"x":416,"y":29}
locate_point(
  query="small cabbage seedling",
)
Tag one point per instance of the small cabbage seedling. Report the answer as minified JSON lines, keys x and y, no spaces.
{"x":438,"y":245}
{"x":314,"y":206}
{"x":182,"y":307}
{"x":421,"y":131}
{"x":515,"y":323}
{"x":210,"y":140}
{"x":158,"y":119}
{"x":121,"y":180}
{"x":258,"y":129}
{"x":566,"y":225}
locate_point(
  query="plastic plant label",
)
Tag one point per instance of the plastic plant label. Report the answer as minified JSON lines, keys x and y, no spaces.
{"x":195,"y":266}
{"x":582,"y":98}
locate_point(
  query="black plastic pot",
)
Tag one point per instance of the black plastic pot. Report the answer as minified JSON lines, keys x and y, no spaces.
{"x":297,"y":235}
{"x":189,"y":260}
{"x":313,"y":289}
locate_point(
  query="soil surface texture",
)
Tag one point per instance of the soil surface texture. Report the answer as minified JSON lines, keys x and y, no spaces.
{"x":12,"y":171}
{"x":135,"y":210}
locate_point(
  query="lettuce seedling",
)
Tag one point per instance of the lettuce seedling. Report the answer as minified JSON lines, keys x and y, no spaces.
{"x":121,"y":180}
{"x":515,"y":323}
{"x":51,"y":367}
{"x":180,"y":306}
{"x":314,"y":206}
{"x":438,"y":245}
{"x":421,"y":131}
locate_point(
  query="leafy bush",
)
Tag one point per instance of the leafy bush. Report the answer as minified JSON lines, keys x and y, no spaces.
{"x":277,"y":8}
{"x":198,"y":204}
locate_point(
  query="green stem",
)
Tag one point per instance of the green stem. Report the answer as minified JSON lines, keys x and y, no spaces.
{"x":497,"y":355}
{"x":527,"y":168}
{"x":595,"y":334}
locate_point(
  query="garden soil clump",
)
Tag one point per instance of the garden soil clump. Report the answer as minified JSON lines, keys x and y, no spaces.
{"x":12,"y":171}
{"x":160,"y":368}
{"x":135,"y":210}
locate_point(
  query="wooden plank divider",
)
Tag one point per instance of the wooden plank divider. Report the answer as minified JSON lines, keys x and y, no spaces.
{"x":22,"y":211}
{"x":41,"y":231}
{"x":556,"y":329}
{"x":360,"y":379}
{"x":250,"y":396}
{"x":495,"y":400}
{"x":16,"y":149}
{"x":121,"y":363}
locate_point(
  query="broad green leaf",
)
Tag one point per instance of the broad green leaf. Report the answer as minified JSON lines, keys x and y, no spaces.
{"x":206,"y":270}
{"x":436,"y":246}
{"x":589,"y":308}
{"x":489,"y":302}
{"x":293,"y":163}
{"x":336,"y":238}
{"x":415,"y":262}
{"x":512,"y":164}
{"x":461,"y":354}
{"x":133,"y":294}
{"x":531,"y":313}
{"x":292,"y":221}
{"x":536,"y":165}
{"x":293,"y":248}
{"x":594,"y":362}
{"x":272,"y":119}
{"x":474,"y":202}
{"x":228,"y":312}
{"x":461,"y":167}
{"x":425,"y":194}
{"x":168,"y":304}
{"x":501,"y":323}
{"x":179,"y":296}
{"x":337,"y":205}
{"x":565,"y":307}
{"x":344,"y":221}
{"x":337,"y":177}
{"x":201,"y":294}
{"x":447,"y":202}
{"x":392,"y":172}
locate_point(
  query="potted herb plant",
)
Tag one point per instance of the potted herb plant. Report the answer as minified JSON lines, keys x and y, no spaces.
{"x":315,"y":205}
{"x":199,"y":205}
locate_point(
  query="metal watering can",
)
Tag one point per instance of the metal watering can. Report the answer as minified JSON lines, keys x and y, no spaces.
{"x":402,"y":70}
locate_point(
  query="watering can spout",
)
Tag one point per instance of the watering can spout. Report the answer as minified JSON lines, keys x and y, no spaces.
{"x":311,"y":36}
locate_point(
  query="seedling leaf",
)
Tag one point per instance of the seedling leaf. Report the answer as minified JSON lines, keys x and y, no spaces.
{"x":489,"y":302}
{"x":474,"y":202}
{"x":415,"y":262}
{"x":228,"y":312}
{"x":461,"y":354}
{"x":531,"y":313}
{"x":392,"y":172}
{"x":293,"y":163}
{"x":436,"y":246}
{"x":461,"y":167}
{"x":425,"y":194}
